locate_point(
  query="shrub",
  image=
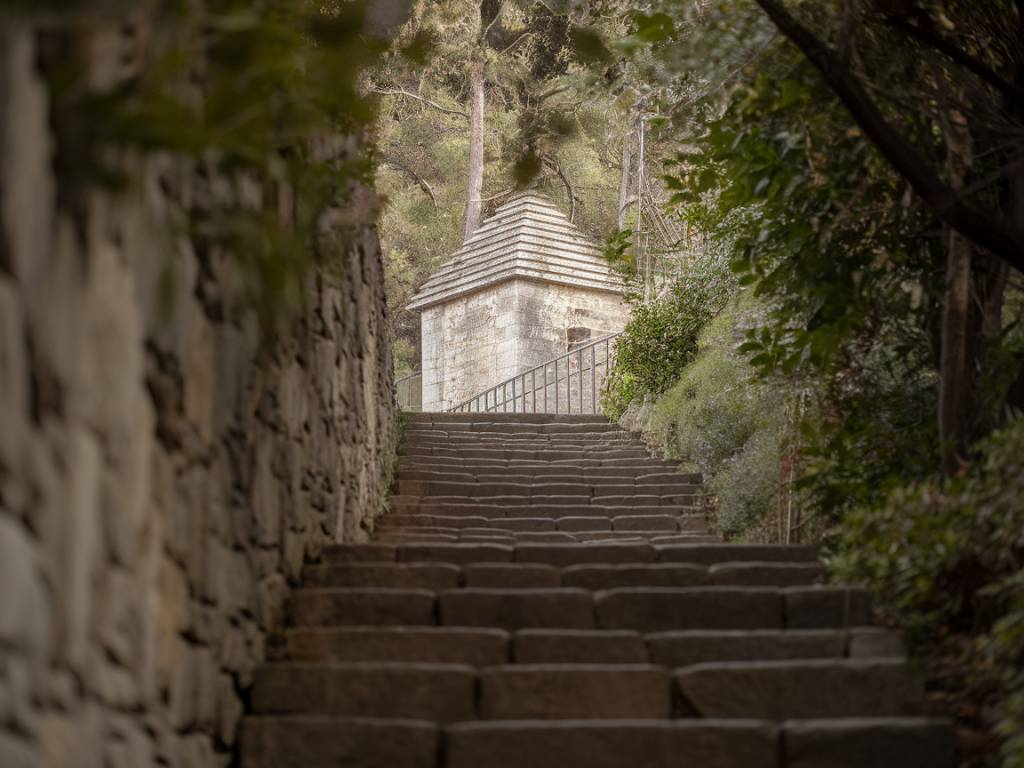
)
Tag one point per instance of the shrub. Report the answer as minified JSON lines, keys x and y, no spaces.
{"x":946,"y":560}
{"x":661,"y":338}
{"x":722,"y":420}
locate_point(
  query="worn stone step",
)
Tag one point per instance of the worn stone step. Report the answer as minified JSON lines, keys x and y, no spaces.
{"x":688,"y":647}
{"x":421,"y":534}
{"x":571,"y":455}
{"x":604,"y":576}
{"x":455,"y":553}
{"x":374,"y":606}
{"x":580,"y":646}
{"x":589,"y":467}
{"x":681,"y":493}
{"x":574,"y":692}
{"x":477,"y":647}
{"x":440,"y":692}
{"x":766,"y":574}
{"x":654,"y":609}
{"x":511,"y":576}
{"x":815,"y":688}
{"x":517,"y":608}
{"x":640,"y":483}
{"x":868,"y":743}
{"x":500,"y":507}
{"x":825,"y":607}
{"x":709,"y":554}
{"x":511,"y":421}
{"x":531,"y":442}
{"x":432,"y":576}
{"x":359,"y":553}
{"x":574,"y":554}
{"x":306,"y":741}
{"x":612,"y":744}
{"x":416,"y":536}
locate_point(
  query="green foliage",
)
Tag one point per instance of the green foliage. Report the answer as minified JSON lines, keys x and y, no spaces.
{"x":946,"y":559}
{"x":661,"y":337}
{"x":726,"y":422}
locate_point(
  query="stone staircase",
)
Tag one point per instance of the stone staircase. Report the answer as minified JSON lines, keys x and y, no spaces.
{"x":544,"y":594}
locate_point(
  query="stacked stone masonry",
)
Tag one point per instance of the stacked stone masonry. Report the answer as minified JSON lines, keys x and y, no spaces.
{"x":543,"y":593}
{"x":164,"y":474}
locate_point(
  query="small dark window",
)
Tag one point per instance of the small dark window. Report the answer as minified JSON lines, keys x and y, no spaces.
{"x":576,"y":337}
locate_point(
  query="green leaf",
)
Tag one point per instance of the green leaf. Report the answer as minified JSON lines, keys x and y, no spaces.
{"x":654,"y":28}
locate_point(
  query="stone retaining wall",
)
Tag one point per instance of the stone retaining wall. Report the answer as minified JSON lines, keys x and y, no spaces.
{"x":163,"y":473}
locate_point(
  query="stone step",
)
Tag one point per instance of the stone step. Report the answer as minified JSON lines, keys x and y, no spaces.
{"x":766,"y":690}
{"x":512,"y":486}
{"x":611,"y":744}
{"x":658,"y":471}
{"x":646,"y":609}
{"x":486,"y":647}
{"x":556,"y":554}
{"x":538,"y":454}
{"x":645,"y":481}
{"x":685,"y":648}
{"x":583,"y":524}
{"x":520,"y":440}
{"x":477,"y":419}
{"x":280,"y":742}
{"x":517,"y":608}
{"x":440,"y":692}
{"x":596,"y":577}
{"x":429,"y":576}
{"x":848,"y":743}
{"x":495,"y":508}
{"x":580,"y":646}
{"x":375,"y":606}
{"x":477,"y":647}
{"x":786,"y":690}
{"x":621,"y":468}
{"x":574,"y":692}
{"x":511,"y":538}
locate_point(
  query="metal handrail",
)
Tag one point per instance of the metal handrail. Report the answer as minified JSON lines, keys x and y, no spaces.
{"x":535,"y":398}
{"x":410,"y":397}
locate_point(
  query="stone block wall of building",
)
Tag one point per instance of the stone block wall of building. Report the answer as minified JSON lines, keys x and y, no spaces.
{"x":164,"y":472}
{"x":478,"y":340}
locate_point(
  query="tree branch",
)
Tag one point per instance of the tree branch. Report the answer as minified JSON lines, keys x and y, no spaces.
{"x":929,"y":35}
{"x":420,"y":181}
{"x":1003,"y":238}
{"x":428,"y":102}
{"x":556,"y":166}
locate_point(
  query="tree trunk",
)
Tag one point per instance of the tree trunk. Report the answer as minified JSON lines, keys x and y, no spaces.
{"x":475,"y":185}
{"x":954,"y":376}
{"x":627,"y":161}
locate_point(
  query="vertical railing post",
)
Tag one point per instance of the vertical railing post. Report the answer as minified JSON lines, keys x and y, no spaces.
{"x":545,"y":377}
{"x":568,"y":384}
{"x":556,"y":385}
{"x":579,"y":371}
{"x":593,"y":379}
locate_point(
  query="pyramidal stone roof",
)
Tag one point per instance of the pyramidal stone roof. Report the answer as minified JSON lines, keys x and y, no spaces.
{"x":527,"y":238}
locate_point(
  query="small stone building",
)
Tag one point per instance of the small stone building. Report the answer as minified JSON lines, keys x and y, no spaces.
{"x":525,"y":288}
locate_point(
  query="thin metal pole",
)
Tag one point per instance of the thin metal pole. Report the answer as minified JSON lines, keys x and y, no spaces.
{"x":533,"y":389}
{"x":593,"y":379}
{"x":579,"y":372}
{"x":568,"y":384}
{"x":556,"y":385}
{"x":545,"y":387}
{"x":513,"y":395}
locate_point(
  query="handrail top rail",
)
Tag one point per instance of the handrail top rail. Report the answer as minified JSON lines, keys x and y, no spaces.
{"x":408,"y":376}
{"x":521,"y":375}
